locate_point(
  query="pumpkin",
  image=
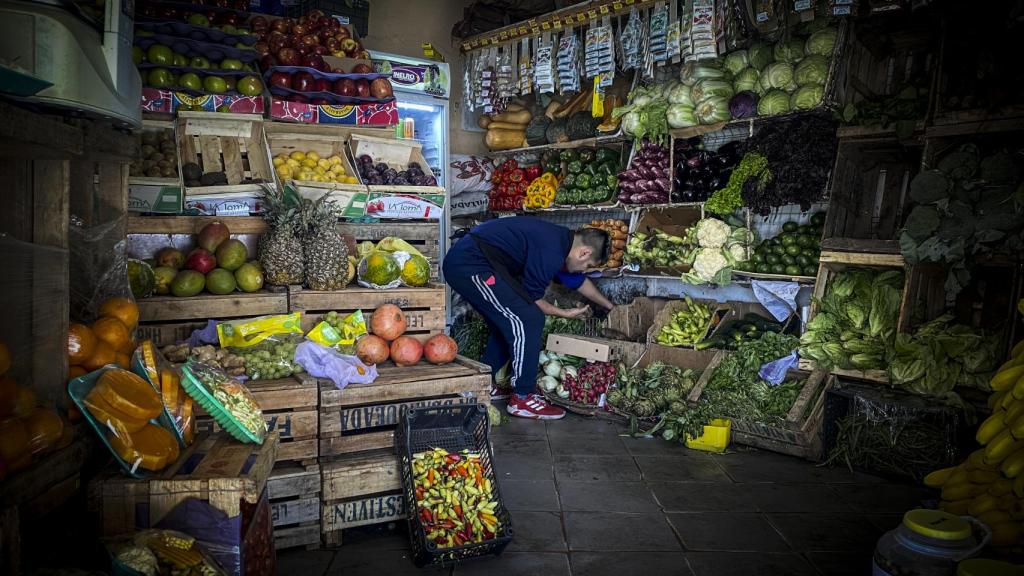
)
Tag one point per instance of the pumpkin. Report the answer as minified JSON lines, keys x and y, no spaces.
{"x":45,"y":430}
{"x":521,"y":117}
{"x":581,"y":125}
{"x":129,"y":394}
{"x":556,"y":132}
{"x":109,"y":416}
{"x":123,"y":309}
{"x":113,"y":332}
{"x":536,"y":130}
{"x":81,"y":343}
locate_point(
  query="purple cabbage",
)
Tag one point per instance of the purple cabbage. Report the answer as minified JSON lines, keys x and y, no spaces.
{"x":743,"y":105}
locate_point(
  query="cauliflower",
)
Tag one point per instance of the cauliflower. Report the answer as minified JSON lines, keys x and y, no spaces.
{"x":712,"y":233}
{"x":707,"y":264}
{"x":738,"y":252}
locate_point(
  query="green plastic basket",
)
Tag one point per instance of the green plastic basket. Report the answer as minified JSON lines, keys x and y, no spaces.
{"x":194,"y":374}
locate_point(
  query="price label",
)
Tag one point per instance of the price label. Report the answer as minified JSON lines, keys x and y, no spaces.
{"x":580,"y":17}
{"x":475,"y":42}
{"x":465,"y":46}
{"x":617,"y":6}
{"x":504,"y":34}
{"x":545,"y":25}
{"x":592,"y":14}
{"x":604,"y":9}
{"x":557,"y":24}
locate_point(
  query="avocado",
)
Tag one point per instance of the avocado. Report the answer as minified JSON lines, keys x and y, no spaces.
{"x":191,"y":171}
{"x":213,"y":179}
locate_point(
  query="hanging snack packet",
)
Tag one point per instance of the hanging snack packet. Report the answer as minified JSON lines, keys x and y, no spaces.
{"x":543,"y":75}
{"x":148,"y":362}
{"x":659,"y":34}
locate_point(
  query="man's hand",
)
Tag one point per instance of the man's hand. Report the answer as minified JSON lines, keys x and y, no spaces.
{"x":575,"y":312}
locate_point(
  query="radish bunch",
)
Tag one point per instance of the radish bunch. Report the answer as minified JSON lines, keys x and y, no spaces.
{"x":591,"y":380}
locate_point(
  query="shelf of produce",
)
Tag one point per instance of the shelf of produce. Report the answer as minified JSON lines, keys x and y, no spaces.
{"x":215,"y":469}
{"x":609,"y":140}
{"x":234,"y":305}
{"x":363,"y":416}
{"x":289,"y":407}
{"x":800,"y":434}
{"x":294,"y":494}
{"x":193,"y":224}
{"x":359,"y":491}
{"x":424,"y":308}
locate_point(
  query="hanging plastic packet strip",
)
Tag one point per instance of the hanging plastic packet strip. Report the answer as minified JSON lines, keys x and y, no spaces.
{"x":543,"y":74}
{"x":251,"y":331}
{"x":672,"y":41}
{"x":631,"y":41}
{"x":685,"y":41}
{"x":775,"y":371}
{"x":503,"y":75}
{"x":341,"y":335}
{"x":778,"y":297}
{"x":659,"y":31}
{"x":600,"y":55}
{"x":525,"y":68}
{"x":568,"y":72}
{"x":702,"y":30}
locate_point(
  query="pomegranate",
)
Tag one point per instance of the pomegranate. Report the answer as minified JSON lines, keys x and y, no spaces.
{"x":406,"y":351}
{"x":388,"y":322}
{"x":440,"y":349}
{"x":372,"y":349}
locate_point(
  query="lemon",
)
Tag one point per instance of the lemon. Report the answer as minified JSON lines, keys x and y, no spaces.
{"x":292,"y":162}
{"x":334,"y":160}
{"x":309,"y":163}
{"x":323,"y":163}
{"x":320,"y":170}
{"x":312,"y":156}
{"x":279,"y":160}
{"x":351,"y":180}
{"x":297,"y":155}
{"x":284,"y":171}
{"x":338,"y":169}
{"x":318,"y":178}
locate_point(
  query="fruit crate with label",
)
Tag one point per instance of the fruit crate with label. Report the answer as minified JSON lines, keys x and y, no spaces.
{"x":295,"y":142}
{"x":290,"y":408}
{"x":361,"y":484}
{"x":154,"y":182}
{"x":399,"y":155}
{"x":294,"y":493}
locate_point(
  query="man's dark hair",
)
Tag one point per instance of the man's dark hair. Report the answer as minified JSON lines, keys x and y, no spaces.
{"x":597,"y":240}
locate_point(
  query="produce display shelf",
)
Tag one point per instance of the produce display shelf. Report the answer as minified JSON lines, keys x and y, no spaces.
{"x":617,"y":138}
{"x":193,"y":224}
{"x":203,"y":306}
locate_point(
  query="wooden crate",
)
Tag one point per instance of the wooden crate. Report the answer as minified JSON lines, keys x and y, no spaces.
{"x":424,"y":307}
{"x":229,"y":143}
{"x":216,"y":468}
{"x":359,"y":491}
{"x":800,"y":434}
{"x":324,"y":139}
{"x":362,"y":417}
{"x":396,"y":153}
{"x":290,"y":408}
{"x":156,"y":126}
{"x":294,"y":494}
{"x":869,"y":195}
{"x":163,"y":334}
{"x":424,"y":236}
{"x":204,"y":306}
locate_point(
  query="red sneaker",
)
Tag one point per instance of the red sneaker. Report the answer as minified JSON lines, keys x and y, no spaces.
{"x":499,"y":393}
{"x":533,"y":406}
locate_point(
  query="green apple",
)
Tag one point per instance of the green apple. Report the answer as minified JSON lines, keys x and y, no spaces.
{"x":159,"y":54}
{"x":215,"y":84}
{"x":231,"y":64}
{"x":200,"y":62}
{"x":191,"y":81}
{"x":250,"y":86}
{"x":229,"y":29}
{"x":159,"y":78}
{"x":199,"y":19}
{"x":137,"y":55}
{"x":179,"y":60}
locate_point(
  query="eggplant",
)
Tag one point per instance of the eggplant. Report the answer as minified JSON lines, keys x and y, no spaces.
{"x":662,"y":184}
{"x":694,"y":161}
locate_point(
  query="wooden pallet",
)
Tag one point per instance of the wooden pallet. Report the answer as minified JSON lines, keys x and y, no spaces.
{"x":360,"y":491}
{"x":290,"y":408}
{"x":363,"y":417}
{"x":294,"y":494}
{"x":424,"y":307}
{"x":204,"y":306}
{"x":424,"y":236}
{"x":229,"y":143}
{"x":216,"y":468}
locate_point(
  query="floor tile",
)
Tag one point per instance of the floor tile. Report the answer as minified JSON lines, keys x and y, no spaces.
{"x":353,"y":561}
{"x":530,"y":446}
{"x":536,"y":495}
{"x":761,"y":466}
{"x":795,"y":498}
{"x":658,"y":447}
{"x":519,"y":427}
{"x":748,"y":564}
{"x":827,"y":532}
{"x":883,"y":498}
{"x":302,"y":561}
{"x":675,"y":469}
{"x":630,"y":563}
{"x":841,"y":563}
{"x":595,"y":468}
{"x":702,"y":497}
{"x":594,"y":445}
{"x":537,"y":532}
{"x":523,"y":467}
{"x":574,"y":425}
{"x":727,"y":531}
{"x":517,"y":564}
{"x":632,"y":497}
{"x":604,"y":531}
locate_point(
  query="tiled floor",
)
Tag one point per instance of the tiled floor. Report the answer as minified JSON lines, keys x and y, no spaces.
{"x":587,"y":501}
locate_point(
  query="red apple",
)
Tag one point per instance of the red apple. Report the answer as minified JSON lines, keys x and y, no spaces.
{"x":332,"y":44}
{"x":300,"y":29}
{"x":303,"y":20}
{"x":319,"y":50}
{"x":362,"y":68}
{"x":280,"y":25}
{"x":281,"y":79}
{"x":363,"y":55}
{"x":362,"y":88}
{"x":349,"y":45}
{"x":381,"y":88}
{"x":322,"y":85}
{"x":267,"y":61}
{"x":338,"y":71}
{"x":303,"y":49}
{"x":258,"y":23}
{"x":311,"y":39}
{"x":303,"y":82}
{"x":276,"y":41}
{"x":345,"y":87}
{"x":314,"y":61}
{"x":288,"y":57}
{"x":201,"y":261}
{"x":261,"y":48}
{"x":342,"y":33}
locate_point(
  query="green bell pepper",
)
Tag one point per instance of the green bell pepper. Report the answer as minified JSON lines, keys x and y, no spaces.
{"x":569,"y":181}
{"x":612,"y":181}
{"x":605,"y":154}
{"x":568,"y":155}
{"x":609,"y":167}
{"x":583,"y":181}
{"x":587,"y":155}
{"x":575,"y":167}
{"x":602,"y":193}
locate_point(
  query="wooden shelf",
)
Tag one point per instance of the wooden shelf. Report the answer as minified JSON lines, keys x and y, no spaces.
{"x":192,"y":224}
{"x":203,"y":306}
{"x":862,"y":259}
{"x":617,"y":138}
{"x":966,"y":122}
{"x":857,"y":132}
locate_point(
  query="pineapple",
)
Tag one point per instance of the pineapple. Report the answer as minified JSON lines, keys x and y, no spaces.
{"x":280,"y":247}
{"x":326,"y":253}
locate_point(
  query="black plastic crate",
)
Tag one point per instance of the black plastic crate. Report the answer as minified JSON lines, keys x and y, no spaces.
{"x":356,"y":11}
{"x":453,"y":428}
{"x":888,"y":424}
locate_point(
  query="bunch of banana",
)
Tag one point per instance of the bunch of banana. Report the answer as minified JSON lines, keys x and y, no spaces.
{"x":688,"y":325}
{"x":989,"y":485}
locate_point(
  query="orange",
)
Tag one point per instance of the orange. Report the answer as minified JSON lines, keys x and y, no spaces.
{"x":123,"y":309}
{"x":113,"y":332}
{"x":5,"y":359}
{"x":81,"y":343}
{"x":123,"y":360}
{"x":9,"y":390}
{"x":103,"y":355}
{"x":45,"y":430}
{"x":13,"y":440}
{"x":26,"y":402}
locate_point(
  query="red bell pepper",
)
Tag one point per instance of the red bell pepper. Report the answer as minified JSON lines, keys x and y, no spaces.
{"x":532,"y":173}
{"x":517,"y":175}
{"x":509,"y":165}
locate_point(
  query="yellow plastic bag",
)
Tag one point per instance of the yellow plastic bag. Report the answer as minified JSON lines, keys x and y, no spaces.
{"x":394,"y":244}
{"x":338,"y":333}
{"x":251,"y":331}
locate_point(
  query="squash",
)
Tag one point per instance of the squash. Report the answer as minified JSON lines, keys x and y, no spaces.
{"x":536,"y":130}
{"x":129,"y":394}
{"x":506,"y":126}
{"x":152,"y":447}
{"x":514,"y":107}
{"x":581,"y":125}
{"x":519,"y":117}
{"x":502,"y":139}
{"x":483,"y":122}
{"x":556,"y":132}
{"x":575,"y":104}
{"x":552,"y":108}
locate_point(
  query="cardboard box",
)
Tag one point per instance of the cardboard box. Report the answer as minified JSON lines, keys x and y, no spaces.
{"x":674,"y":221}
{"x":596,"y":349}
{"x":155,"y":198}
{"x":383,"y":114}
{"x":632,"y":321}
{"x":405,"y":206}
{"x":239,"y":203}
{"x":167,"y":101}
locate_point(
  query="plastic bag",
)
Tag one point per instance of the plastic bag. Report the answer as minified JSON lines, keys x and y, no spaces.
{"x":251,"y":331}
{"x":154,"y":552}
{"x":323,"y":362}
{"x":774,"y":372}
{"x":272,"y":358}
{"x":339,"y":333}
{"x":149,"y":363}
{"x":99,"y":265}
{"x":381,"y":270}
{"x":227,"y":400}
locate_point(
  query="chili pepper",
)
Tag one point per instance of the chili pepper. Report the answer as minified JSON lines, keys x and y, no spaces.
{"x":419,"y":492}
{"x":427,"y":516}
{"x":430,"y":476}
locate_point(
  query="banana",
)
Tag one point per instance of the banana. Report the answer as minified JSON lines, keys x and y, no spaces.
{"x":1018,"y":349}
{"x":1013,"y":465}
{"x":993,"y":517}
{"x":995,"y":399}
{"x":981,"y":504}
{"x":1008,"y":400}
{"x":961,"y":491}
{"x":1011,"y":414}
{"x":1017,"y":428}
{"x":1002,"y":446}
{"x":983,"y":476}
{"x":939,"y":477}
{"x":1018,"y":388}
{"x":990,"y":428}
{"x":976,"y":461}
{"x":957,"y":507}
{"x":1006,"y":378}
{"x":1001,"y":487}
